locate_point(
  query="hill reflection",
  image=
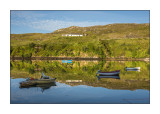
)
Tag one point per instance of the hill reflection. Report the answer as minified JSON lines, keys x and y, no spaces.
{"x":86,"y":71}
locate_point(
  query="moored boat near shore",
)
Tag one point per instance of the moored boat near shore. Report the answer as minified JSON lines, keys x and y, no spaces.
{"x":36,"y":82}
{"x":33,"y":82}
{"x":112,"y":73}
{"x":133,"y":70}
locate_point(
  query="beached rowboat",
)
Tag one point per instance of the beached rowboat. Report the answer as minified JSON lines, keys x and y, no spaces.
{"x":112,"y":73}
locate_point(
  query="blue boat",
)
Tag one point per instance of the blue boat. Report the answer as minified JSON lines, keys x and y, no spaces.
{"x":66,"y":61}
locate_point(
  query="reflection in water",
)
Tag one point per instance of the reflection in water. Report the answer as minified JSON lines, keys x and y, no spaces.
{"x":115,"y":77}
{"x":64,"y":93}
{"x":117,"y":90}
{"x":86,"y":71}
{"x":73,"y":80}
{"x":42,"y":86}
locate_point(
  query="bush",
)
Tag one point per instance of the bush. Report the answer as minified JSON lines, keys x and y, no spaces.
{"x":32,"y":45}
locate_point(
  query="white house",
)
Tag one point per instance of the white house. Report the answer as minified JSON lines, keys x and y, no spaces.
{"x":72,"y":34}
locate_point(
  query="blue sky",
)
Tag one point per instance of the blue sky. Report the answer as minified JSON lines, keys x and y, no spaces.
{"x":49,"y":21}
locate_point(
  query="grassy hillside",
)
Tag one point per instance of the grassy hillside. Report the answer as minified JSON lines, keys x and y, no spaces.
{"x":110,"y":31}
{"x":114,"y":40}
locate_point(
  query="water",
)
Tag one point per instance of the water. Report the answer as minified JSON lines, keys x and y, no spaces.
{"x":132,"y":87}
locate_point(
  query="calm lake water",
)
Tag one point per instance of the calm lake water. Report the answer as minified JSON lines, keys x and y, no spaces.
{"x":132,"y":87}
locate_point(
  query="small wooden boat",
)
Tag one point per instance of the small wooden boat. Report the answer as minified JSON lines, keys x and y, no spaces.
{"x":33,"y":82}
{"x":133,"y":68}
{"x":112,"y":73}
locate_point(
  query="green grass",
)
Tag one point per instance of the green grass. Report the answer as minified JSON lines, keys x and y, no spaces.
{"x":136,"y":48}
{"x":115,"y":40}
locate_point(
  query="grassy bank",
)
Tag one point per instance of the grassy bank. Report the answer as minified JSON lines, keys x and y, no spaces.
{"x":109,"y":41}
{"x":118,"y":48}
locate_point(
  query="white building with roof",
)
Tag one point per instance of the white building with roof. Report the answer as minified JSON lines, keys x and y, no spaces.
{"x":72,"y":34}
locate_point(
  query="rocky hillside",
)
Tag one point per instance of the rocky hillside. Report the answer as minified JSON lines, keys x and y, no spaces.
{"x":110,"y":31}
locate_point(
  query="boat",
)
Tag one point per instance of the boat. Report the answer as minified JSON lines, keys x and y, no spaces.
{"x":112,"y":73}
{"x":66,"y":61}
{"x":34,"y":82}
{"x":133,"y":68}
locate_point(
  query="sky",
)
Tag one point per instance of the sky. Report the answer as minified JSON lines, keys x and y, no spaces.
{"x":48,"y":21}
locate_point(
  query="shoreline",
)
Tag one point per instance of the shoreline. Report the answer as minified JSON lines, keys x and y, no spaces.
{"x":79,"y":58}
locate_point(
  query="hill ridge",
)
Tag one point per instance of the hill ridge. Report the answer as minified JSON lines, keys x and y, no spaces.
{"x":116,"y":30}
